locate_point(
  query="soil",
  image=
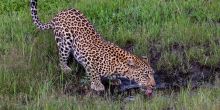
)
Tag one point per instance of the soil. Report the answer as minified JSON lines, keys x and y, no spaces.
{"x":194,"y":74}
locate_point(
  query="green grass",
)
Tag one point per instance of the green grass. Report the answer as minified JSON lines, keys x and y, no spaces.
{"x":202,"y":99}
{"x":29,"y":72}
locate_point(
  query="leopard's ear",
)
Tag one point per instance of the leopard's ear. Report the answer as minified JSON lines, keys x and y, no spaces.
{"x":145,"y":59}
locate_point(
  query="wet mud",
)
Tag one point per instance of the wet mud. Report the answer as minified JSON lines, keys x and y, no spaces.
{"x":191,"y":73}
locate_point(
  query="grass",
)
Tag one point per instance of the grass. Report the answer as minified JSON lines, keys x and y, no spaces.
{"x":202,"y":99}
{"x":30,"y":77}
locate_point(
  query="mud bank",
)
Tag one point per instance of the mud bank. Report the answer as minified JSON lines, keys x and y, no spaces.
{"x":182,"y":74}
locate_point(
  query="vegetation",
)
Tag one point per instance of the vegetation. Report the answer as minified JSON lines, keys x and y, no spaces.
{"x":180,"y":31}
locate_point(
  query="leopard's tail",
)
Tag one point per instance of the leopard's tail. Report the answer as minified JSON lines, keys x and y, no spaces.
{"x":35,"y":18}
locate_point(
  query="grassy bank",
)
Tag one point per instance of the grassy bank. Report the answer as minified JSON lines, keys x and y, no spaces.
{"x":181,"y":32}
{"x":202,"y":99}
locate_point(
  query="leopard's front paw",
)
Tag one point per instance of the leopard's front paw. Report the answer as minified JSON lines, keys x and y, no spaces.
{"x":65,"y":68}
{"x":97,"y":86}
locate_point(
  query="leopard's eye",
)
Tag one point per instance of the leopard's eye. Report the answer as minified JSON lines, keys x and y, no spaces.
{"x":146,"y":75}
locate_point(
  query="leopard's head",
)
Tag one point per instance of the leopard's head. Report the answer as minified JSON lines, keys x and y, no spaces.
{"x":141,"y":72}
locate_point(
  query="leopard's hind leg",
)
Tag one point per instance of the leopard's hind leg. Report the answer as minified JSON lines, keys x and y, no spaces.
{"x":64,"y":48}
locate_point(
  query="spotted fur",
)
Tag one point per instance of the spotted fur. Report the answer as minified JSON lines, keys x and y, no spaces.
{"x":75,"y":35}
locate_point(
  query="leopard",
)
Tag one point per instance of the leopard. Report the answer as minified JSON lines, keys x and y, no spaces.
{"x":74,"y":34}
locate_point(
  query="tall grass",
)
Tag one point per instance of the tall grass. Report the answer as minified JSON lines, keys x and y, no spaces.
{"x":29,"y":74}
